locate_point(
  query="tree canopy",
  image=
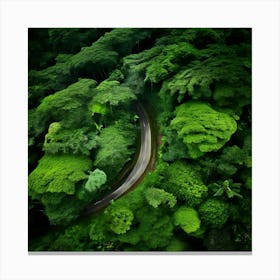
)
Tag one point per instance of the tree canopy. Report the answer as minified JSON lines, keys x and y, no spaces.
{"x":202,"y":128}
{"x":84,"y":136}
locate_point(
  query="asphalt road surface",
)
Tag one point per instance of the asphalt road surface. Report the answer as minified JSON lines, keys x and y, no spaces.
{"x":138,"y":169}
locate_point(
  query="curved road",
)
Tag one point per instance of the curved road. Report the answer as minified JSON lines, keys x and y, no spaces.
{"x":138,"y":169}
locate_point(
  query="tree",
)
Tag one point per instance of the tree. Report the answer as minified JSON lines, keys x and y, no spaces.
{"x":54,"y":184}
{"x":202,"y":128}
{"x":113,"y":94}
{"x":196,"y":85}
{"x":153,"y":230}
{"x":156,"y":197}
{"x":120,"y":219}
{"x":48,"y":80}
{"x":63,"y":140}
{"x":96,"y":179}
{"x":214,"y":213}
{"x":230,"y":160}
{"x":63,"y":212}
{"x":74,"y":238}
{"x":184,"y":181}
{"x":68,"y":106}
{"x":114,"y":149}
{"x":102,"y":56}
{"x":169,"y":60}
{"x":187,"y":218}
{"x":71,"y":40}
{"x":58,"y":173}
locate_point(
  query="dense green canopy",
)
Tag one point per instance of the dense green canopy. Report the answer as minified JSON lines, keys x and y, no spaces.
{"x":202,"y":128}
{"x":84,"y":136}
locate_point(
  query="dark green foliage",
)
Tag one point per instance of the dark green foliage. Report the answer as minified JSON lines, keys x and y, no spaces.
{"x":40,"y":54}
{"x":230,"y":160}
{"x":202,"y":128}
{"x":101,"y":58}
{"x":214,"y":213}
{"x":154,"y":230}
{"x":187,"y":218}
{"x":173,"y":148}
{"x":64,"y":211}
{"x":75,"y":238}
{"x":228,"y":188}
{"x":219,"y":240}
{"x":70,"y":40}
{"x":47,"y":81}
{"x":84,"y":132}
{"x":176,"y":245}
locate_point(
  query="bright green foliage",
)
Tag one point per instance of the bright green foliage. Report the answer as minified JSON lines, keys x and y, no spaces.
{"x":68,"y":105}
{"x":58,"y":173}
{"x":156,"y":197}
{"x":96,"y":179}
{"x":184,"y":181}
{"x":76,"y":141}
{"x":113,"y":94}
{"x":168,"y":61}
{"x":116,"y":75}
{"x":214,"y":213}
{"x":187,"y":218}
{"x":114,"y":149}
{"x":202,"y":128}
{"x":120,"y":219}
{"x":99,"y":108}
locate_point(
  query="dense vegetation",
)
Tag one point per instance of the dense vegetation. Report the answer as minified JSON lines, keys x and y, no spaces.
{"x":84,"y":134}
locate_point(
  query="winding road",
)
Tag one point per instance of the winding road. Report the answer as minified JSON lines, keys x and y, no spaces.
{"x":138,"y":169}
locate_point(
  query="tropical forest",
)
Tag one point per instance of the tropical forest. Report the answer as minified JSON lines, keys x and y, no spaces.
{"x":139,"y":139}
